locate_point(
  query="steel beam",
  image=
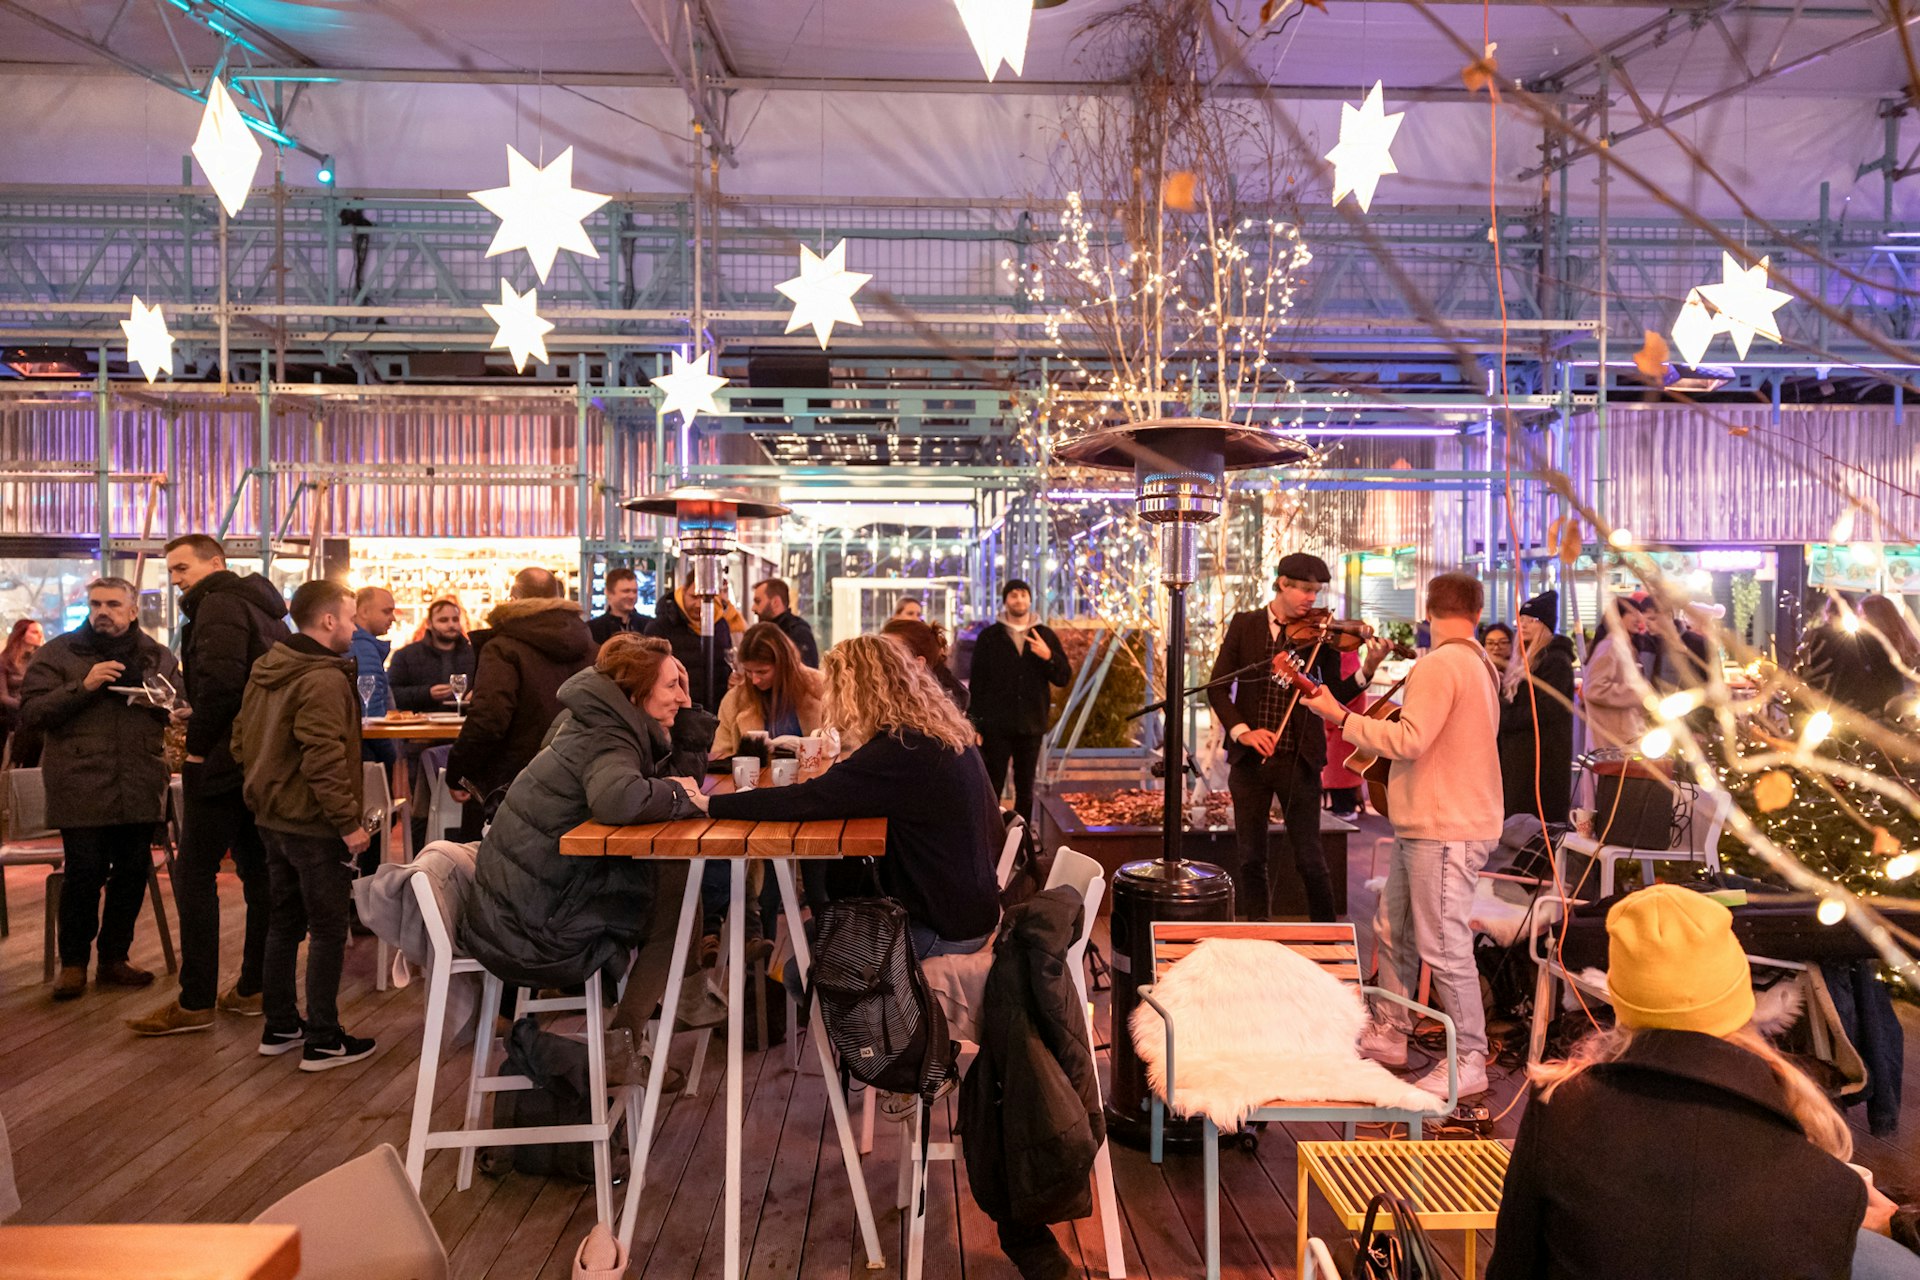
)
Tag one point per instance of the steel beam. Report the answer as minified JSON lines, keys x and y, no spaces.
{"x":692,"y":39}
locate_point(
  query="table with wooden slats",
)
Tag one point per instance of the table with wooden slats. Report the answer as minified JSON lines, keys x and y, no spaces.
{"x":1452,"y":1186}
{"x":737,"y":842}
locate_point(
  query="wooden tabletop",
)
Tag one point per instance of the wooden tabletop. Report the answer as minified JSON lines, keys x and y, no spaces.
{"x":730,"y":838}
{"x":421,"y":730}
{"x":169,"y":1252}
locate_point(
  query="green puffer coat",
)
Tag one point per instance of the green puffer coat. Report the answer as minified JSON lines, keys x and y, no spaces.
{"x":540,"y":918}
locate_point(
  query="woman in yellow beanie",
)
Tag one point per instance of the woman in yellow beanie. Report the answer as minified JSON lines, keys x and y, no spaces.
{"x":1680,"y":1144}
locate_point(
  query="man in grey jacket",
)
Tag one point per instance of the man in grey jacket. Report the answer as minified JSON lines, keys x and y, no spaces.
{"x":106,"y":776}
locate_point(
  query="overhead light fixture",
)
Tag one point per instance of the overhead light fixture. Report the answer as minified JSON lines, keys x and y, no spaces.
{"x":540,"y":210}
{"x":149,"y":345}
{"x":1364,"y":153}
{"x":523,"y":331}
{"x":325,"y":173}
{"x":822,"y":293}
{"x":998,"y":29}
{"x":1694,"y":328}
{"x":689,"y":385}
{"x":226,"y":149}
{"x":1745,"y":302}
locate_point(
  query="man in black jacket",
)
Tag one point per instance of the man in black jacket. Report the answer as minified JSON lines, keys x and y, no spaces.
{"x":230,"y":621}
{"x":677,"y":621}
{"x":1016,"y":662}
{"x":1277,"y":749}
{"x":773,"y":602}
{"x":420,"y":676}
{"x":106,"y":776}
{"x":623,"y":614}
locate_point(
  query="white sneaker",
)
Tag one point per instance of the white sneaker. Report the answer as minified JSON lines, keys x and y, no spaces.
{"x":1385,"y":1044}
{"x":1473,"y":1076}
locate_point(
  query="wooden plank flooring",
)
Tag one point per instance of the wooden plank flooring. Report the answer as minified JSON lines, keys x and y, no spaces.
{"x":109,"y":1127}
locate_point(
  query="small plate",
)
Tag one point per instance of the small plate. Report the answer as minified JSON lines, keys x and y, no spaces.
{"x":444,"y":717}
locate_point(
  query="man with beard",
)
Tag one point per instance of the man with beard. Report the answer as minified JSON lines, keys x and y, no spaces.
{"x":1016,"y":663}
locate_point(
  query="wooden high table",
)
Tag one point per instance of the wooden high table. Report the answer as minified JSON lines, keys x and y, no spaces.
{"x":697,"y":840}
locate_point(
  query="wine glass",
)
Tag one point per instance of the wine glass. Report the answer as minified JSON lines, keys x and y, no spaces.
{"x":458,"y":683}
{"x":368,"y":684}
{"x":160,"y":691}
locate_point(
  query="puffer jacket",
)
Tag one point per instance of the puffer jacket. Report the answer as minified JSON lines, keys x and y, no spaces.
{"x":740,"y":713}
{"x":1029,"y":1106}
{"x":297,"y":739}
{"x":531,"y":650}
{"x":231,"y":621}
{"x":672,"y":623}
{"x":104,"y":757}
{"x":538,"y":917}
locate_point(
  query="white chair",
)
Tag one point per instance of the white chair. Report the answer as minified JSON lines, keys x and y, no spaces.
{"x":1706,"y":854}
{"x":31,"y":842}
{"x":1088,"y":878}
{"x":1010,"y":849}
{"x":1319,"y":1261}
{"x":422,"y":1137}
{"x":381,"y":811}
{"x":443,"y":811}
{"x":362,"y":1221}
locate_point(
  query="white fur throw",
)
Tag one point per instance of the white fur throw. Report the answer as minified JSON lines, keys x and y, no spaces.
{"x":1254,"y":1022}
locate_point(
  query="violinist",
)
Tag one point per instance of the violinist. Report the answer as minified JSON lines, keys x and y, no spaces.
{"x":1277,"y":749}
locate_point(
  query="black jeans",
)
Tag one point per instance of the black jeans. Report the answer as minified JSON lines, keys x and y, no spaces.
{"x":118,"y":859}
{"x":215,"y":826}
{"x":1254,"y":784}
{"x":312,"y":887}
{"x":1023,"y":751}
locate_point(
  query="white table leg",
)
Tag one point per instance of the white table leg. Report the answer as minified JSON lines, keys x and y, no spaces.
{"x":641,"y":1141}
{"x":836,"y":1101}
{"x":736,"y":1033}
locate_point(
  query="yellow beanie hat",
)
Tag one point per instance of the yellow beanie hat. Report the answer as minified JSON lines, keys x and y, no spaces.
{"x":1673,"y":963}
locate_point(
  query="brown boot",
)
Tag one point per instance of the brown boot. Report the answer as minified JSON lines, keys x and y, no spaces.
{"x":119,"y":973}
{"x":170,"y":1019}
{"x":71,"y":983}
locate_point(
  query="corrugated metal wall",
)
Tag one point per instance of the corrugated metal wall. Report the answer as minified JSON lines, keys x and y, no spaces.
{"x":206,"y":448}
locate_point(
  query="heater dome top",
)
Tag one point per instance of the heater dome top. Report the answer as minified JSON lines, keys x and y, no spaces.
{"x":1205,"y":445}
{"x":699,"y":499}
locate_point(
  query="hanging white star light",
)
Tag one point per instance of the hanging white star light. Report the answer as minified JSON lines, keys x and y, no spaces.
{"x":540,"y":210}
{"x":523,"y":332}
{"x":149,"y":345}
{"x":823,"y":292}
{"x":1694,"y":330}
{"x":1745,"y":303}
{"x":998,"y":29}
{"x":690,"y":387}
{"x":226,"y":148}
{"x":1362,"y":156}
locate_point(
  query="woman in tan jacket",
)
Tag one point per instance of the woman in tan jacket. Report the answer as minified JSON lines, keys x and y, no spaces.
{"x":776,"y":693}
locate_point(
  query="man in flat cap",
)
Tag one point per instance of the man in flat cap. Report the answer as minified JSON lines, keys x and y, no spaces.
{"x":1276,"y":752}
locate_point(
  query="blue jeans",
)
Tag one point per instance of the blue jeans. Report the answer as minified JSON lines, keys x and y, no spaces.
{"x":1877,"y":1257}
{"x":1428,"y":901}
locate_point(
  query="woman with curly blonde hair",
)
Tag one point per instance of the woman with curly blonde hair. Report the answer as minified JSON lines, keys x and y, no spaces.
{"x":911,"y":760}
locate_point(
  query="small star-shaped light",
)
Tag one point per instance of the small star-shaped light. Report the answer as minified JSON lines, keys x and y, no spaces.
{"x":1362,"y":156}
{"x":823,"y":292}
{"x":1745,"y":303}
{"x":690,"y":387}
{"x":522,"y":330}
{"x":998,"y":29}
{"x":226,"y":148}
{"x":149,"y":345}
{"x":1694,"y":329}
{"x":540,"y":211}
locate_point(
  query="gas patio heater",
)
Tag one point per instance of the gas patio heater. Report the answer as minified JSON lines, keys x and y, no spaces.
{"x":1180,"y":468}
{"x":706,"y":520}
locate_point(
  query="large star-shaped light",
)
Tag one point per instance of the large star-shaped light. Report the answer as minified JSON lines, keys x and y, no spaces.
{"x":823,"y":292}
{"x":523,"y":332}
{"x":1362,"y":156}
{"x":998,"y":29}
{"x":1745,"y":303}
{"x":149,"y":345}
{"x":689,"y":387}
{"x":226,"y":148}
{"x":540,"y":210}
{"x":1693,"y":330}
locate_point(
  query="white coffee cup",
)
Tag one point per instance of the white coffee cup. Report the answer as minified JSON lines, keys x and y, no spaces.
{"x":813,"y":754}
{"x":746,"y":773}
{"x":784,"y":771}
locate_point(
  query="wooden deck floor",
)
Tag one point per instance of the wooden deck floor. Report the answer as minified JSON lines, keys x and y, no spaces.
{"x":108,"y":1127}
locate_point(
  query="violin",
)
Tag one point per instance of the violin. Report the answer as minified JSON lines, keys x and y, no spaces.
{"x":1342,"y":635}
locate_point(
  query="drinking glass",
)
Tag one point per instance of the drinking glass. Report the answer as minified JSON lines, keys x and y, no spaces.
{"x":458,"y":683}
{"x":160,"y":691}
{"x":367,"y":686}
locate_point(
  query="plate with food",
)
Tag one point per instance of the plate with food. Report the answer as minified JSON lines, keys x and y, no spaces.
{"x":402,"y":717}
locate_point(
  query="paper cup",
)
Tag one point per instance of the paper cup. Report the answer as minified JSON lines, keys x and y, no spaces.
{"x":784,"y":771}
{"x":746,"y":773}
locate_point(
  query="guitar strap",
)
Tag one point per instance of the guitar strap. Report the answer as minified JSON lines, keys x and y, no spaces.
{"x":1485,"y":662}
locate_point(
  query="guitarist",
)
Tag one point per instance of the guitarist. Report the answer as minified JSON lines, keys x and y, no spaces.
{"x":1446,"y":808}
{"x":1276,"y":750}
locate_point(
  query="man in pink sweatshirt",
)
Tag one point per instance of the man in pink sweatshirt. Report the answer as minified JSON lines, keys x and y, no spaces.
{"x":1444,"y":798}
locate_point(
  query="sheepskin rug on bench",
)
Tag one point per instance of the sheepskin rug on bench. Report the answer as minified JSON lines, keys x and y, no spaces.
{"x":1254,"y":1022}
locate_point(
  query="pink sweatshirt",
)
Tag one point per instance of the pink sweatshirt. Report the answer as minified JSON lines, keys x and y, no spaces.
{"x":1445,"y":780}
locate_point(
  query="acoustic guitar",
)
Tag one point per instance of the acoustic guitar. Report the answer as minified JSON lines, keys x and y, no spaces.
{"x":1371,"y":768}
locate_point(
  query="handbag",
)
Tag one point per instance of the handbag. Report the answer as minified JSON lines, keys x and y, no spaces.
{"x":1405,"y":1253}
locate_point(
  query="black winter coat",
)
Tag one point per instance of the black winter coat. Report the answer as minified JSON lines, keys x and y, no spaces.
{"x":1552,"y":697}
{"x":417,"y":667}
{"x":1248,"y":643}
{"x":670,"y":623}
{"x":538,"y":917}
{"x":535,"y":645}
{"x":231,"y":621}
{"x":1679,"y":1160}
{"x":1012,"y":688}
{"x":104,"y":756}
{"x":1029,"y":1106}
{"x":800,"y":632}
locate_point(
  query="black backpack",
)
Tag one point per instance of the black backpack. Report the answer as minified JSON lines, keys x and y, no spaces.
{"x":885,"y":1025}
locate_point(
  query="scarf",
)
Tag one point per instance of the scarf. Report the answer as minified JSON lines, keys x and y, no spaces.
{"x":123,"y":649}
{"x":1017,"y":631}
